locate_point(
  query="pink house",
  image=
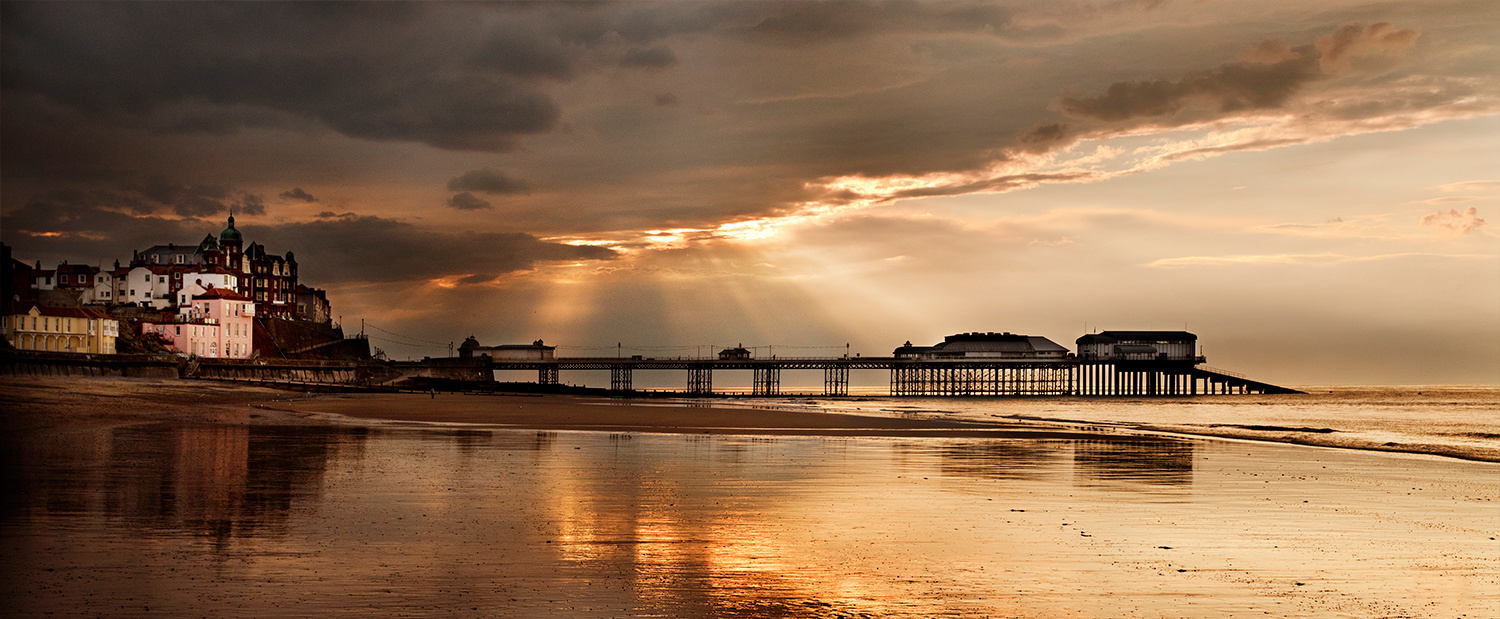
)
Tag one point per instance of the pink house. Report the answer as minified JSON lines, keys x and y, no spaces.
{"x":219,"y":323}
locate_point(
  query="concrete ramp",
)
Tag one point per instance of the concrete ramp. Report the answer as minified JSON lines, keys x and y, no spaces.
{"x":1224,"y":381}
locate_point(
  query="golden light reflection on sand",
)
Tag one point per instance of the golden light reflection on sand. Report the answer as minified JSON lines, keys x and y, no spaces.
{"x":289,"y":521}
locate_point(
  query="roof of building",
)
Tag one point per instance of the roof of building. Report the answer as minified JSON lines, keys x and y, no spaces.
{"x":220,"y":293}
{"x":170,"y":248}
{"x":159,"y":269}
{"x":521,"y":347}
{"x":77,"y":268}
{"x":537,"y":345}
{"x":1110,"y":337}
{"x":990,"y":342}
{"x":65,"y":312}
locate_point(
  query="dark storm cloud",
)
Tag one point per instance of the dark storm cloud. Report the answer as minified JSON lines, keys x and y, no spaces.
{"x":658,"y":57}
{"x":468,"y":202}
{"x":185,"y":199}
{"x":158,"y":194}
{"x":375,"y":249}
{"x":250,"y":204}
{"x":68,"y":225}
{"x":85,"y":224}
{"x":1231,"y":87}
{"x":820,"y":22}
{"x":296,"y":193}
{"x":1265,"y":78}
{"x":143,"y":64}
{"x":487,"y":181}
{"x":525,"y":53}
{"x":1045,"y":137}
{"x":198,"y":206}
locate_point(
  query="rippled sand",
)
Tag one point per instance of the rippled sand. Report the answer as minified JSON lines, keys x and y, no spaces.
{"x":144,"y":504}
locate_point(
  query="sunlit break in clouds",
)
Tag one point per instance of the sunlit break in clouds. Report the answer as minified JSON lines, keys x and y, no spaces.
{"x":1305,"y":185}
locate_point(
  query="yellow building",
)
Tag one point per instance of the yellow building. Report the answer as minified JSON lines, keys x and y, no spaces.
{"x":62,"y":329}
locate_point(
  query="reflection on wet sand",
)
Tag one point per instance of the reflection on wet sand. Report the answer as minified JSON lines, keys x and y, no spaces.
{"x":1110,"y":463}
{"x":1138,"y":461}
{"x":178,"y":520}
{"x":215,"y":480}
{"x":996,"y":459}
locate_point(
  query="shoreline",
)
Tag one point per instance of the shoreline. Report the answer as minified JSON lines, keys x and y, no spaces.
{"x":44,"y":405}
{"x":63,"y":404}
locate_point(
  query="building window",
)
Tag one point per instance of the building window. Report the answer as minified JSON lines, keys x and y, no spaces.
{"x":63,"y":279}
{"x":162,"y":279}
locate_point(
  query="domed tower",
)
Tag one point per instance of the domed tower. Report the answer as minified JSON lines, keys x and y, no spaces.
{"x":231,"y":244}
{"x":466,"y":349}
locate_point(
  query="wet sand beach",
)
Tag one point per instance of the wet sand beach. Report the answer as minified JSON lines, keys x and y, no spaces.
{"x":175,"y":498}
{"x":670,"y":416}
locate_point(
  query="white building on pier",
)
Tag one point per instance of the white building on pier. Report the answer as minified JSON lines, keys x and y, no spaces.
{"x":986,"y":347}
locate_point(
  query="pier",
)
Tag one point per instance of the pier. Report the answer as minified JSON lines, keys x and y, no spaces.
{"x":921,"y":377}
{"x":1108,"y":363}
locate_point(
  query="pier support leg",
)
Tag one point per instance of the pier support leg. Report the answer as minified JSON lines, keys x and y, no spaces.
{"x":767,"y":381}
{"x":547,"y":375}
{"x":836,"y":380}
{"x":620,"y":378}
{"x":700,"y":380}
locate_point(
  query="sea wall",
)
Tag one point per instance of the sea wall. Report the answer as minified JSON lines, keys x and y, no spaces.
{"x":38,"y":363}
{"x":292,"y":371}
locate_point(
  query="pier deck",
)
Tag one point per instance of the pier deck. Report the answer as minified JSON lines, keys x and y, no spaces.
{"x":926,"y":377}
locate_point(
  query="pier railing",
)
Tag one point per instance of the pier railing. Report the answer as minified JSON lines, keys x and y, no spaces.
{"x":1220,"y":371}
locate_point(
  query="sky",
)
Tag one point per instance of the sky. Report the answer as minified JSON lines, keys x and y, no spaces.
{"x":1303,"y":184}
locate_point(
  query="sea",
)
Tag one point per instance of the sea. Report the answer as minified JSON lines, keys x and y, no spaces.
{"x":1451,"y":421}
